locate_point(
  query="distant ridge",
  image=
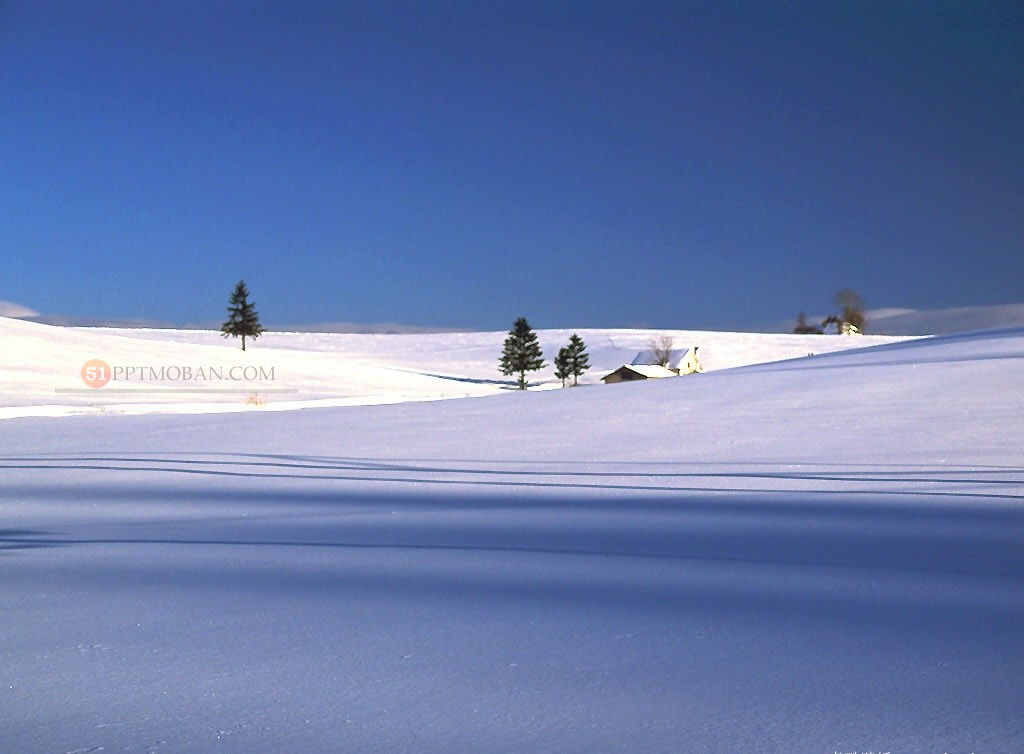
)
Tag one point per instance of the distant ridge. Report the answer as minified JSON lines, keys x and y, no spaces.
{"x":883,"y":321}
{"x":18,"y":311}
{"x":355,"y":328}
{"x":945,"y":321}
{"x":893,"y":321}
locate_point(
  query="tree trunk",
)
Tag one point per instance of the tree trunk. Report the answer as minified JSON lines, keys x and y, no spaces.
{"x":243,"y":342}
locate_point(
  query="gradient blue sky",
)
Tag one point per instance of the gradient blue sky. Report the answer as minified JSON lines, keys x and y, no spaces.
{"x":705,"y":164}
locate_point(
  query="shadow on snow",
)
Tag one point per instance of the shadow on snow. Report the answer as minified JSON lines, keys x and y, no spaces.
{"x":578,"y":535}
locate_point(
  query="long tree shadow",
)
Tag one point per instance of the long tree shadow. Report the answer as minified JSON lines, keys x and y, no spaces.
{"x":499,"y":462}
{"x":869,"y":530}
{"x":455,"y":378}
{"x":283,"y":465}
{"x":26,"y":539}
{"x":568,"y":578}
{"x":93,"y":491}
{"x":651,"y":491}
{"x":730,"y":545}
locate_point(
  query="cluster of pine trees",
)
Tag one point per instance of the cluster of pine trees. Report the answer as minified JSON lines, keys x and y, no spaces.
{"x":522,"y":354}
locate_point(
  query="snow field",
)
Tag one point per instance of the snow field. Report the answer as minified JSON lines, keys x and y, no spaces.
{"x":822,"y":554}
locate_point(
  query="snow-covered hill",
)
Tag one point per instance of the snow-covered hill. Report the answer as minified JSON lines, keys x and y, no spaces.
{"x":945,"y":321}
{"x":815,"y":555}
{"x":895,"y":321}
{"x":882,"y":321}
{"x":40,"y":365}
{"x":11,"y":309}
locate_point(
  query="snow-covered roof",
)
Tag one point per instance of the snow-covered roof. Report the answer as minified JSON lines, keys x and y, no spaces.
{"x":648,"y":358}
{"x":649,"y":370}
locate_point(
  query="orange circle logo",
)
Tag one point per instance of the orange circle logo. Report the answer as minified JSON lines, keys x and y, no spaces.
{"x":96,"y":373}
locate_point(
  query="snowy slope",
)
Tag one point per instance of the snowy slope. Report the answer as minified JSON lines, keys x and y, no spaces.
{"x":40,"y":371}
{"x":824,"y":554}
{"x":40,"y":365}
{"x":897,"y":321}
{"x":945,"y":321}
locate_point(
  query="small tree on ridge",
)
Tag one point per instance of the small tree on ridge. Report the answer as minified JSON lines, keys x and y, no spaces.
{"x":522,"y":352}
{"x":242,"y":317}
{"x":804,"y":328}
{"x":562,"y":368}
{"x":578,"y":360}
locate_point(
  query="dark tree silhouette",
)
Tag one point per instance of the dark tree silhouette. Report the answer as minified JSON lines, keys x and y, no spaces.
{"x":849,"y":301}
{"x":242,"y":317}
{"x":522,"y":352}
{"x":578,"y":360}
{"x":803,"y":328}
{"x":562,"y":368}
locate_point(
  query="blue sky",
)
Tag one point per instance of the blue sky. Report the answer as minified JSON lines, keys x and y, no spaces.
{"x":442,"y":163}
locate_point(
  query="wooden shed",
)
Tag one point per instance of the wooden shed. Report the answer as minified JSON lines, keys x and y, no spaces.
{"x":633,"y":372}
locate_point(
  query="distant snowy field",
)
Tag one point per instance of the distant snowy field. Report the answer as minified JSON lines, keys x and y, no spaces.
{"x":40,"y":365}
{"x":814,"y":555}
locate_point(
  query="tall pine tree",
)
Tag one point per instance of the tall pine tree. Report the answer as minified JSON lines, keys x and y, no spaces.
{"x":522,"y":352}
{"x":562,"y":369}
{"x":578,"y":360}
{"x":242,"y":317}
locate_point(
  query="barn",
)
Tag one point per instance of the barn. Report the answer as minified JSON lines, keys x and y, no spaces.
{"x":633,"y":372}
{"x":680,"y":361}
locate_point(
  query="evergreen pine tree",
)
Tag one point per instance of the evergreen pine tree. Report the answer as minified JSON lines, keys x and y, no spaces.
{"x":522,"y":352}
{"x":562,"y":364}
{"x":579,"y":361}
{"x":804,"y":328}
{"x":242,"y":317}
{"x":801,"y":324}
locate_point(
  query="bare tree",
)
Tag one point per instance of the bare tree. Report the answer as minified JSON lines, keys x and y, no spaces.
{"x":661,"y":349}
{"x":832,"y":320}
{"x":852,"y":308}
